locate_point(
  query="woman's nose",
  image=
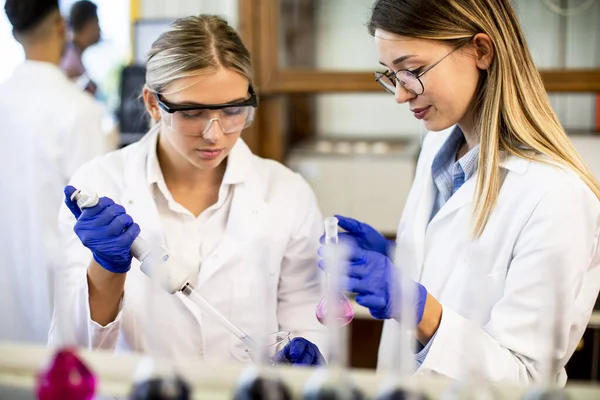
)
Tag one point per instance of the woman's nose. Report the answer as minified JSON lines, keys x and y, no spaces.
{"x":402,"y":95}
{"x":213,"y":132}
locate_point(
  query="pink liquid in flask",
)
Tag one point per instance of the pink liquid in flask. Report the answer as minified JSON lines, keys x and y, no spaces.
{"x":67,"y":378}
{"x":343,"y":309}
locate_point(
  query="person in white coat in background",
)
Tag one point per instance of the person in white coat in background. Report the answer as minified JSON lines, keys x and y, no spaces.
{"x":499,"y":193}
{"x":193,"y":186}
{"x":49,"y":129}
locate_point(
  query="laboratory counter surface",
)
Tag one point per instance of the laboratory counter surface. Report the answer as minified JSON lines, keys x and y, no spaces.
{"x":20,"y":363}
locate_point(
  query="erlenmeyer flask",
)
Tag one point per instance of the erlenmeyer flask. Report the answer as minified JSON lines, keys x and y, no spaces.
{"x":334,"y":381}
{"x":67,"y":378}
{"x":344,"y":312}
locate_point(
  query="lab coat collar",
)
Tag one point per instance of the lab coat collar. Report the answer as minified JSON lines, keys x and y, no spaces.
{"x":464,"y":195}
{"x":154,"y":173}
{"x":514,"y":163}
{"x":238,"y":163}
{"x":40,"y":70}
{"x":248,"y":206}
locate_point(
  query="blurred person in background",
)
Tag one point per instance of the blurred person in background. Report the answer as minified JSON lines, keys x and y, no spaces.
{"x":49,"y":129}
{"x":85,"y":32}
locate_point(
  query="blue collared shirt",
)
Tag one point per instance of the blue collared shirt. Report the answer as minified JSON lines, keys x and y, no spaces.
{"x":448,"y":176}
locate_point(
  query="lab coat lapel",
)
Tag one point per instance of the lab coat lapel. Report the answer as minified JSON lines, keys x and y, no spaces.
{"x":247,"y":210}
{"x":420,"y":222}
{"x":137,"y":196}
{"x":462,"y":197}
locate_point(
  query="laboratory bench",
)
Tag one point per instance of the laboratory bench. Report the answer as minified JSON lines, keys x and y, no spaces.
{"x":20,"y":364}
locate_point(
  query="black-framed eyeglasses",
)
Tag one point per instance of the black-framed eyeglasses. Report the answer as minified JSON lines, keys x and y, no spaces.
{"x":197,"y":119}
{"x":409,"y":80}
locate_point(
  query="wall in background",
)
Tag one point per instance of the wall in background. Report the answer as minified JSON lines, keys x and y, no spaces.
{"x":180,"y":8}
{"x":344,"y":44}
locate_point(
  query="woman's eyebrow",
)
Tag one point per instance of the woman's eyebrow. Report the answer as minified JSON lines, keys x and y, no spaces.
{"x":399,"y":59}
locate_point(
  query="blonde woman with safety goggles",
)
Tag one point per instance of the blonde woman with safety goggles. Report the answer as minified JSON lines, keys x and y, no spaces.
{"x":192,"y":185}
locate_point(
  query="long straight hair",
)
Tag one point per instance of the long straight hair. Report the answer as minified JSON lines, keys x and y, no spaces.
{"x":512,"y":110}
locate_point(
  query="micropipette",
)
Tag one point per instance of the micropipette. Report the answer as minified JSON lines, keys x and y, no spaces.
{"x":171,"y":275}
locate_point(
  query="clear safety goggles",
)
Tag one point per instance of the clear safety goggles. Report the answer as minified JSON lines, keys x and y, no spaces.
{"x":197,"y":119}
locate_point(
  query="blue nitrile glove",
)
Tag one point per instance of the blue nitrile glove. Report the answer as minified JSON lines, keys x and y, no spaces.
{"x":299,"y":351}
{"x":374,"y":279}
{"x":106,"y":230}
{"x":361,"y":235}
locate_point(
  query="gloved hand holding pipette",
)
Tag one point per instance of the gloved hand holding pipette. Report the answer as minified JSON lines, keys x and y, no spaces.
{"x":107,"y":230}
{"x":299,"y":352}
{"x":373,"y":276}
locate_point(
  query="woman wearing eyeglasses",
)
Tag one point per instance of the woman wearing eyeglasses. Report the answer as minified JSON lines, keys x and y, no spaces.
{"x":503,"y":217}
{"x":193,"y":186}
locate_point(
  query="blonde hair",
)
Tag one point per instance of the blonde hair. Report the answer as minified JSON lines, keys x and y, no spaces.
{"x":192,"y":46}
{"x":506,"y":119}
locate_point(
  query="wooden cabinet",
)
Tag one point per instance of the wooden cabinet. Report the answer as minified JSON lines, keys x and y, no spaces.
{"x":289,"y":40}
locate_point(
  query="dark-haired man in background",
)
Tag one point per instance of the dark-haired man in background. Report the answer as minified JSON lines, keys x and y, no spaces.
{"x":49,"y":128}
{"x":85,"y":32}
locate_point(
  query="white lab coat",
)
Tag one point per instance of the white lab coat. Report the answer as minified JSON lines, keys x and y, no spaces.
{"x":546,"y":219}
{"x":49,"y":129}
{"x":274,"y":222}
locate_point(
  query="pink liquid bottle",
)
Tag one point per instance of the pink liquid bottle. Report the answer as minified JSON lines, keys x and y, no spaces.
{"x":334,"y":312}
{"x":344,"y":313}
{"x":66,"y":378}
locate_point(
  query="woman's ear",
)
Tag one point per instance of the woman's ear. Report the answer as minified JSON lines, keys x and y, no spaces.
{"x":151,"y":104}
{"x":484,"y":51}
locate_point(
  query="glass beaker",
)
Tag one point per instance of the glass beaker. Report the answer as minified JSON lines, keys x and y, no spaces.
{"x":342,"y":307}
{"x":260,"y":380}
{"x":274,"y":343}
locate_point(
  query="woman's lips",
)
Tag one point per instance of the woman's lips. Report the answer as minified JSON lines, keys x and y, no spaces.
{"x":420,"y":113}
{"x":210,"y":154}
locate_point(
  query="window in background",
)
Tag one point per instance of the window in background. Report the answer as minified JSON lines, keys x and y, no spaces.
{"x":105,"y":60}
